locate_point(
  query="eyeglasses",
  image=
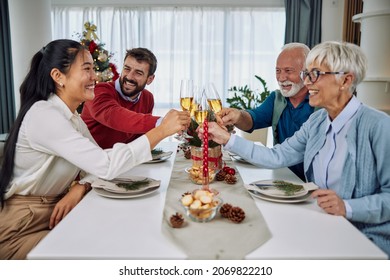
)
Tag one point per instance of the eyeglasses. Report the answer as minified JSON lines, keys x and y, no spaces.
{"x":315,"y":74}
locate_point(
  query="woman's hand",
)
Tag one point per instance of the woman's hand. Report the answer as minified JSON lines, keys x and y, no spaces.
{"x":330,"y":202}
{"x":217,"y":133}
{"x":175,"y":121}
{"x":66,"y":204}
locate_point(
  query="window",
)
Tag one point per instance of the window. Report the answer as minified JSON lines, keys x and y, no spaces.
{"x":223,"y":45}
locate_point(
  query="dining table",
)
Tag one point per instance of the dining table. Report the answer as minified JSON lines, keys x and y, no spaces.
{"x":101,"y":227}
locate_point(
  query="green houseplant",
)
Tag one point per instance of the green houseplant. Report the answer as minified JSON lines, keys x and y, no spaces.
{"x":245,"y":98}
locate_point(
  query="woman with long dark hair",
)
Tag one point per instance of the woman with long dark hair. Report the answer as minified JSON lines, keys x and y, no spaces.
{"x":49,"y":145}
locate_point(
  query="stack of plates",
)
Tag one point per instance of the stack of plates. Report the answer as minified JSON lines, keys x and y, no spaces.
{"x":140,"y":186}
{"x":266,"y":190}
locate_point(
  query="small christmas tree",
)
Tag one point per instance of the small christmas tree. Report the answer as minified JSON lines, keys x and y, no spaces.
{"x":105,"y":70}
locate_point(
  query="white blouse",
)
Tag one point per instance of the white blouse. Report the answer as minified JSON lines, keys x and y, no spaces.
{"x":54,"y":144}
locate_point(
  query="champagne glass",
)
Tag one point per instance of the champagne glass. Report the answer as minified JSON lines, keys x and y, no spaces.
{"x":201,"y":107}
{"x":213,"y":98}
{"x":186,"y":97}
{"x":200,"y":114}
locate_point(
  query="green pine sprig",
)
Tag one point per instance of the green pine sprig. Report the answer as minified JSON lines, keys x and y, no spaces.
{"x":134,"y":185}
{"x":287,"y":187}
{"x":156,"y":152}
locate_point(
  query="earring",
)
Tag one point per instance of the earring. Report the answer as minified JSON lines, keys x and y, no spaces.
{"x":342,"y":88}
{"x":61,"y":84}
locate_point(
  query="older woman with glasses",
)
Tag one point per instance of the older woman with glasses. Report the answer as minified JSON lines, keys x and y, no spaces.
{"x":344,"y":146}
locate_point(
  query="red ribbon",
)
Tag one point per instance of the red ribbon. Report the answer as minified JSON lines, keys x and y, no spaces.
{"x":211,"y":159}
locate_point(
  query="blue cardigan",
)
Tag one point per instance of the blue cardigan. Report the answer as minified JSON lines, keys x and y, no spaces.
{"x":366,"y":172}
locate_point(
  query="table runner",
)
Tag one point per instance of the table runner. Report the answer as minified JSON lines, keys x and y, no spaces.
{"x":219,"y":238}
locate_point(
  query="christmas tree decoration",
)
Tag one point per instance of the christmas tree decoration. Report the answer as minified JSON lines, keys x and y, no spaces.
{"x":105,"y":70}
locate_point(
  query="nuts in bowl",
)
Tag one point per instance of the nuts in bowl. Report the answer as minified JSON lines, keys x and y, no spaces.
{"x":201,"y":205}
{"x":196,"y":175}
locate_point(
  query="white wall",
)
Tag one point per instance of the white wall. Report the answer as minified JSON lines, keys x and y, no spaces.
{"x":332,"y":20}
{"x":30,"y":30}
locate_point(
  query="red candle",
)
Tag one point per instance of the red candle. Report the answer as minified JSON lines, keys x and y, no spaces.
{"x":205,"y":155}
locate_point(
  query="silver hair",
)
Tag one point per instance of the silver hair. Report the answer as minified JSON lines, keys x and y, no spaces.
{"x":298,"y":46}
{"x":340,"y":57}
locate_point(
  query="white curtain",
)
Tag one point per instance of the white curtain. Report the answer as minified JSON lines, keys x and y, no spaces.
{"x":226,"y":46}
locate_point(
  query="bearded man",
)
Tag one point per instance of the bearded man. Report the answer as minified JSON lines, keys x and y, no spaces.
{"x":285,"y":109}
{"x":122,"y":110}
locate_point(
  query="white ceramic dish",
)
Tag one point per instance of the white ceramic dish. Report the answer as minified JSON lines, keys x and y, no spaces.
{"x":279,"y":200}
{"x":266,"y":187}
{"x":112,"y":187}
{"x":105,"y":193}
{"x":160,"y":157}
{"x":238,"y":158}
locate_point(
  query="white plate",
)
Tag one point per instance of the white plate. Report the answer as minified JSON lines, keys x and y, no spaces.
{"x":160,"y":157}
{"x":276,"y":193}
{"x":238,"y":158}
{"x":105,"y":193}
{"x":110,"y":186}
{"x":279,"y":200}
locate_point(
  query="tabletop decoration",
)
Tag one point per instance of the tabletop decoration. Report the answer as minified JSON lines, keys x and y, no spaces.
{"x":287,"y":187}
{"x":157,"y":152}
{"x":177,"y":220}
{"x":227,"y":174}
{"x":201,"y":205}
{"x":194,"y":150}
{"x":205,"y":161}
{"x":202,"y":240}
{"x":105,"y":70}
{"x":233,"y":213}
{"x":134,"y":185}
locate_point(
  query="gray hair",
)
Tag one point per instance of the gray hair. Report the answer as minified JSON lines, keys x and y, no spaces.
{"x":340,"y":57}
{"x":298,"y":46}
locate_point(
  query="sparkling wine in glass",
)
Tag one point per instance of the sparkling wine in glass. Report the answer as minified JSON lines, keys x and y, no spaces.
{"x":200,"y":107}
{"x":186,"y":97}
{"x":213,"y":98}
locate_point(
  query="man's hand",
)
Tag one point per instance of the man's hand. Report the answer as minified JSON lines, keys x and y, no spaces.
{"x":229,"y":116}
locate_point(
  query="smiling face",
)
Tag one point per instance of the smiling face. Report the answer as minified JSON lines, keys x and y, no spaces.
{"x":134,"y":77}
{"x":288,"y":66}
{"x":79,"y":82}
{"x":329,"y":91}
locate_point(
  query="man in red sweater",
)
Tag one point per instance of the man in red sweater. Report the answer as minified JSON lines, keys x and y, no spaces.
{"x":122,"y":110}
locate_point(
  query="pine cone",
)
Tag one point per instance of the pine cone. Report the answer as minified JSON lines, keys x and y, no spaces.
{"x":236,"y":215}
{"x":187,"y":153}
{"x":230,"y":179}
{"x":186,"y":193}
{"x":176,"y":220}
{"x":225,"y":209}
{"x":220,"y":175}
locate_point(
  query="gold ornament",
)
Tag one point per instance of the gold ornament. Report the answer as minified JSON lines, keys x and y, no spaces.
{"x":91,"y":28}
{"x":102,"y":57}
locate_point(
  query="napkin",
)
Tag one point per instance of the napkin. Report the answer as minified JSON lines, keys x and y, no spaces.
{"x":137,"y":184}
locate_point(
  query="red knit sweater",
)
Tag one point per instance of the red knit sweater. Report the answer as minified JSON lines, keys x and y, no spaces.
{"x":111,"y":119}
